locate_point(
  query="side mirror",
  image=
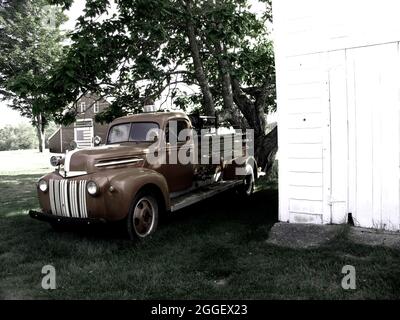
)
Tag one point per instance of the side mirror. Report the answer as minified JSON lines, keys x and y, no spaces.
{"x":97,"y":141}
{"x":55,"y":161}
{"x":152,"y":135}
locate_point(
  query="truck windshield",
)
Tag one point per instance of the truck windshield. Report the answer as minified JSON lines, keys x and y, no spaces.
{"x":131,"y":132}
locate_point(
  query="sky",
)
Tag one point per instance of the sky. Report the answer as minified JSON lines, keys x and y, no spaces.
{"x":12,"y":117}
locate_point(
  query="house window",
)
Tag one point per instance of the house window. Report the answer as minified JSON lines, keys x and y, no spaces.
{"x":96,"y":107}
{"x":83,"y":106}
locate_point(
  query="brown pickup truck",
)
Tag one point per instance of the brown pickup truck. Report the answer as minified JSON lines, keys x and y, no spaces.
{"x":151,"y":163}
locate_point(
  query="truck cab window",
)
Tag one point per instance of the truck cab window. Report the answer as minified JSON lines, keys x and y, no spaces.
{"x":119,"y":133}
{"x":140,"y":131}
{"x":132,"y":132}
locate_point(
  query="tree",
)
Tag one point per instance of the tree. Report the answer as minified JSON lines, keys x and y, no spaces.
{"x":239,"y":42}
{"x":148,"y":46}
{"x":17,"y":137}
{"x":31,"y":43}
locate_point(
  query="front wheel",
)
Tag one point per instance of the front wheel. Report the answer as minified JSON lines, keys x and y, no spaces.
{"x":143,"y":216}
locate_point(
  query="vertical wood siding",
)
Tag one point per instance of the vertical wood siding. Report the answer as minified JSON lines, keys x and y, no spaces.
{"x":374,"y":134}
{"x":338,"y":95}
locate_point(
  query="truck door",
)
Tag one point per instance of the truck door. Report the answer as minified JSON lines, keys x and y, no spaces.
{"x":179,"y":175}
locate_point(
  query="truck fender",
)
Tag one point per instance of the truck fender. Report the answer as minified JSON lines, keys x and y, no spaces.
{"x":249,"y":164}
{"x":127,"y":185}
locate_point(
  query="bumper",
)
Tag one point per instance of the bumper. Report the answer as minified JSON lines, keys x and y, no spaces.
{"x":64,"y":220}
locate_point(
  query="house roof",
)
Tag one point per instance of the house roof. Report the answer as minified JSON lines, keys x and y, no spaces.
{"x":54,"y":133}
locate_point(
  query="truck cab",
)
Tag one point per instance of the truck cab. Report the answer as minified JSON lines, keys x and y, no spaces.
{"x":150,"y":163}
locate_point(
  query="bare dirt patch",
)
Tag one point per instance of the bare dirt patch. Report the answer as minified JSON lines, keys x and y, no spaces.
{"x":297,"y":235}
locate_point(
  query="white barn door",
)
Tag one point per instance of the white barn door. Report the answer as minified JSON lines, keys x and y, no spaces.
{"x":340,"y":136}
{"x":373,"y":89}
{"x":364,"y":104}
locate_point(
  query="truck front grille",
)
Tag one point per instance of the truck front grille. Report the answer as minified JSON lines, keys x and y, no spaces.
{"x":68,"y":198}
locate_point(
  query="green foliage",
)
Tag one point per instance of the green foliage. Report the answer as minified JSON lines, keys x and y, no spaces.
{"x":18,"y":137}
{"x":30,"y":42}
{"x":22,"y":136}
{"x":143,"y":49}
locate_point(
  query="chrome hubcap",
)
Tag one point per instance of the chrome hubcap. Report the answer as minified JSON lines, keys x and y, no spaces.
{"x":143,"y":217}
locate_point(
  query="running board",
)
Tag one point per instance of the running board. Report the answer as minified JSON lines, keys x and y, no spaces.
{"x":202,"y":194}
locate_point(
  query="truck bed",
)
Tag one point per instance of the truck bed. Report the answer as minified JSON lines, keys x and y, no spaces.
{"x":202,"y":194}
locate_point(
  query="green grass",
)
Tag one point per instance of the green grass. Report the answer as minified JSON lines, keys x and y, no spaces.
{"x":216,"y":249}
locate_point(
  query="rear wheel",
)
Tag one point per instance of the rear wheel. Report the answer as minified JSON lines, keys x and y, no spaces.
{"x":143,"y":216}
{"x":249,"y":182}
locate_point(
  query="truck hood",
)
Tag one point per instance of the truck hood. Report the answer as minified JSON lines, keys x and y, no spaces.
{"x":94,"y":159}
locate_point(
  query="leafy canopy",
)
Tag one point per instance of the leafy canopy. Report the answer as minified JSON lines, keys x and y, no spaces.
{"x":31,"y":45}
{"x":140,"y":49}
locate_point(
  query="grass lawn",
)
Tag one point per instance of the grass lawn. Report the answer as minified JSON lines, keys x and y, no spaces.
{"x":216,"y":249}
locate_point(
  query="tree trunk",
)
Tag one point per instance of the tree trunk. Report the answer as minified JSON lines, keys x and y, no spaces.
{"x":198,"y":65}
{"x":223,"y":65}
{"x":265,"y":145}
{"x":265,"y":149}
{"x":40,"y":132}
{"x":254,"y":116}
{"x":226,"y":82}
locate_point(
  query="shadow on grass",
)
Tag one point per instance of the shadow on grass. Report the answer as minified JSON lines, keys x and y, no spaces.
{"x":258,"y":211}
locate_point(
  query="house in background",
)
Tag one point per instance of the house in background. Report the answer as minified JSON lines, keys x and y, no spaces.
{"x":84,"y":129}
{"x":338,"y":97}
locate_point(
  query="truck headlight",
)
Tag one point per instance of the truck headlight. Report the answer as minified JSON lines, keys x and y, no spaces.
{"x":92,"y":188}
{"x":43,"y":185}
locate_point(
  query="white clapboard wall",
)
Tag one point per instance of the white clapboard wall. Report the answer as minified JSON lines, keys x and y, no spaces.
{"x":338,"y":87}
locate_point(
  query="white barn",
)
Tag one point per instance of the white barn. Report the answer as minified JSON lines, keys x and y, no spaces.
{"x":338,"y":95}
